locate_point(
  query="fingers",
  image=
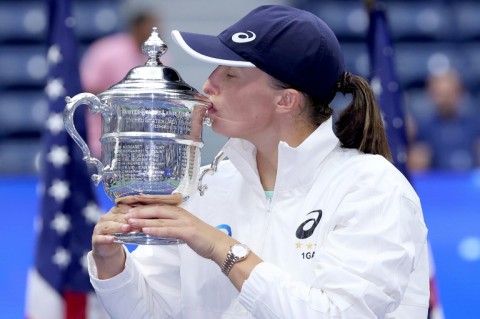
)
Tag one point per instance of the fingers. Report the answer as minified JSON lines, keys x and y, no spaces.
{"x":103,"y":240}
{"x":154,"y":211}
{"x":111,"y":227}
{"x":160,"y":218}
{"x":135,"y":200}
{"x":116,"y":215}
{"x":153,"y":216}
{"x":112,"y":222}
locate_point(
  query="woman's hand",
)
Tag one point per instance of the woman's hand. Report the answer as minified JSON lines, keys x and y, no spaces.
{"x":160,"y":216}
{"x":112,"y":222}
{"x":108,"y":255}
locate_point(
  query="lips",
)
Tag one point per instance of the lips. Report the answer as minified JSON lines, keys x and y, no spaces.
{"x":211,"y":110}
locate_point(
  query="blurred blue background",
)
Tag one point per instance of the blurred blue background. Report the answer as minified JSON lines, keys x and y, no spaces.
{"x":430,"y":36}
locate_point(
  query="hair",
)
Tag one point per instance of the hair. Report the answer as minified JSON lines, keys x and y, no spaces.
{"x":360,"y":124}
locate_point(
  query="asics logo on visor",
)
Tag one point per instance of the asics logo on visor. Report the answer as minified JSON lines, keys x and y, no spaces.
{"x":243,"y":37}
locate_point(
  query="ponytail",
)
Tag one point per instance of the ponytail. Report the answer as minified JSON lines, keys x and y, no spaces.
{"x":360,"y":124}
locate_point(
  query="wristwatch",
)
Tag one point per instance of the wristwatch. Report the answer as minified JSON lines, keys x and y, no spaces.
{"x":238,"y":252}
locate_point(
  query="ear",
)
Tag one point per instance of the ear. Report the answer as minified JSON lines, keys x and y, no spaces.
{"x":289,"y":101}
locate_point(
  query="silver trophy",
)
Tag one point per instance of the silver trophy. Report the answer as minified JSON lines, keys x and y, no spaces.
{"x":151,"y":134}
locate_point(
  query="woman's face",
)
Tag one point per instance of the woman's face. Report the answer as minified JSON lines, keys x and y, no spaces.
{"x":243,"y":101}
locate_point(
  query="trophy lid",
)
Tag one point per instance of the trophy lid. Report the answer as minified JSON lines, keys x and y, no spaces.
{"x":152,"y":79}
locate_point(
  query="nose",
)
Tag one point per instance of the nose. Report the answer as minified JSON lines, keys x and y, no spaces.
{"x":210,"y":87}
{"x":207,"y":87}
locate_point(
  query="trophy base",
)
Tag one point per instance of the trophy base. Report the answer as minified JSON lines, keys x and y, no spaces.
{"x":139,"y":238}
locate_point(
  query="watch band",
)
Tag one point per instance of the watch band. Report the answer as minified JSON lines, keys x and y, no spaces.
{"x":228,"y":263}
{"x":238,"y":252}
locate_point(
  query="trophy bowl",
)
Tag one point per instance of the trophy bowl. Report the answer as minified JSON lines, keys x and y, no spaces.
{"x":151,"y":134}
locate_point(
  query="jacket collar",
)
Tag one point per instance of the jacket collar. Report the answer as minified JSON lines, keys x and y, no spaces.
{"x":296,"y":165}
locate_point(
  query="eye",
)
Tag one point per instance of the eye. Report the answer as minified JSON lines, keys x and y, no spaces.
{"x":231,"y":72}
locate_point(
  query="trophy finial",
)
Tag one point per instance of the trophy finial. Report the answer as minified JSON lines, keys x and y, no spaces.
{"x":154,"y":47}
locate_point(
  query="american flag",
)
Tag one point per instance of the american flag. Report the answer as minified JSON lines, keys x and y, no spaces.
{"x":58,"y":284}
{"x":387,"y":88}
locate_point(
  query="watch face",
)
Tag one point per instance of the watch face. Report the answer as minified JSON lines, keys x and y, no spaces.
{"x":240,"y":250}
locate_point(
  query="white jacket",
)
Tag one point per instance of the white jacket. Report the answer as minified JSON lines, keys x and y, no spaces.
{"x":343,"y":237}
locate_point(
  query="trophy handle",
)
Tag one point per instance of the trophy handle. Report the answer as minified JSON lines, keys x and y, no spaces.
{"x":212,"y":169}
{"x":95,"y":107}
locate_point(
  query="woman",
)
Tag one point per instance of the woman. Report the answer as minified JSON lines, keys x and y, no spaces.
{"x":302,"y":223}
